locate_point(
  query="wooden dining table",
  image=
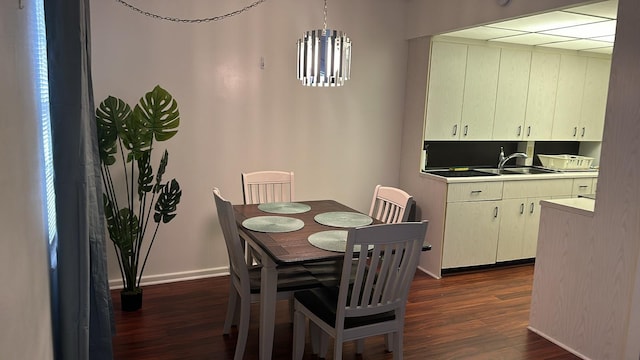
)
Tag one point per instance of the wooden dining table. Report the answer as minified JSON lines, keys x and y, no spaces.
{"x":277,"y":249}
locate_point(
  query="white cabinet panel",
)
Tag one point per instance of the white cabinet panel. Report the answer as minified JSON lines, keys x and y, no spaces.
{"x":594,"y":100}
{"x":471,"y":234}
{"x":478,"y":191}
{"x":480,"y":87}
{"x":566,"y":117}
{"x":446,"y":87}
{"x":518,"y":236}
{"x":537,"y":188}
{"x":541,"y":96}
{"x":582,"y":186}
{"x":511,"y":101}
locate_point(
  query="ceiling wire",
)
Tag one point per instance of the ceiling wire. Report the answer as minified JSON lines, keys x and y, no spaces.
{"x":199,"y":20}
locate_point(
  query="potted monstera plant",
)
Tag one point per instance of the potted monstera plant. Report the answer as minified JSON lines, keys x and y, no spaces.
{"x":136,"y":198}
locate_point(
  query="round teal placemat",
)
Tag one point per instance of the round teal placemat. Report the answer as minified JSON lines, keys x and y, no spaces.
{"x":273,"y":224}
{"x":331,"y":240}
{"x":284,"y":208}
{"x":343,"y":219}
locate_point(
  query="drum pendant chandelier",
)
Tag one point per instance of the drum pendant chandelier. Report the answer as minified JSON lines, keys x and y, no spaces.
{"x":324,"y":56}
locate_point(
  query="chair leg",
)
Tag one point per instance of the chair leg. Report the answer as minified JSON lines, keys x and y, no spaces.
{"x":388,"y":342}
{"x":231,"y":310}
{"x":337,"y":348}
{"x":397,"y":345}
{"x":324,"y":344}
{"x":359,"y":346}
{"x":243,"y":328}
{"x":299,"y":334}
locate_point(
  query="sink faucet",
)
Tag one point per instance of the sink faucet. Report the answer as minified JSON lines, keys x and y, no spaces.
{"x":503,"y":160}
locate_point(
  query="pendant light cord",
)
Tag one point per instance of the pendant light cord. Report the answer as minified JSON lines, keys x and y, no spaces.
{"x":201,"y":20}
{"x":325,"y":16}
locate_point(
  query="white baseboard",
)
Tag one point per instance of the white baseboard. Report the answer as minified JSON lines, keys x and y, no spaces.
{"x":428,"y":272}
{"x":568,"y":348}
{"x":173,"y":277}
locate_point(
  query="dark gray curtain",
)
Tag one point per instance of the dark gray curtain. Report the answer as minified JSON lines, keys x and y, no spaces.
{"x":83,"y":311}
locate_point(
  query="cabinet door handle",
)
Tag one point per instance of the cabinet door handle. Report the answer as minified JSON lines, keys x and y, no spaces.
{"x":519,"y":130}
{"x":455,"y":129}
{"x":532,"y":206}
{"x":583,"y":129}
{"x":476,"y":191}
{"x":528,"y":131}
{"x":521,"y":208}
{"x":466,"y":130}
{"x":495,"y":212}
{"x":575,"y":131}
{"x":583,"y":186}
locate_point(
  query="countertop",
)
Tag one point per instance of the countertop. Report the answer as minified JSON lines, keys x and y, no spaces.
{"x":512,"y":177}
{"x":581,"y":206}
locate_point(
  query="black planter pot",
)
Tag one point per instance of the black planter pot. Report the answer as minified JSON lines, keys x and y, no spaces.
{"x":131,"y":300}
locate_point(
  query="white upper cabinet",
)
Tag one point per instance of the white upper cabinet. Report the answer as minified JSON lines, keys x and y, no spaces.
{"x":480,"y":86}
{"x":566,"y":117}
{"x":594,"y":99}
{"x":497,"y":92}
{"x":511,"y":101}
{"x":446,"y":88}
{"x":541,"y":96}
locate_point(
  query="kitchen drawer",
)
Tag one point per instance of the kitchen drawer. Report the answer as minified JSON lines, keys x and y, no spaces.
{"x":537,"y":188}
{"x":582,"y":186}
{"x":480,"y":191}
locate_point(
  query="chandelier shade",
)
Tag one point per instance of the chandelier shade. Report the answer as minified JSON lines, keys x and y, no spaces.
{"x":324,"y":56}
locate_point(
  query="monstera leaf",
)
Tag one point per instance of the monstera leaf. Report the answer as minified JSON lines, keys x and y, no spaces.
{"x":110,"y":115}
{"x":158,"y":112}
{"x":145,"y":174}
{"x":122,"y":226}
{"x":167,"y":202}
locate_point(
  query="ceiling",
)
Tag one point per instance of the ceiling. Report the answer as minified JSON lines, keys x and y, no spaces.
{"x":584,"y":28}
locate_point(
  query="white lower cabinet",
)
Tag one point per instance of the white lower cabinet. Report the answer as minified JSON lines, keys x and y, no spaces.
{"x":518,"y":236}
{"x":486,"y":222}
{"x":471,"y":233}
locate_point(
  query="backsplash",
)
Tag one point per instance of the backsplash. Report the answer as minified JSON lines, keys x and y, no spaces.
{"x":485,"y":153}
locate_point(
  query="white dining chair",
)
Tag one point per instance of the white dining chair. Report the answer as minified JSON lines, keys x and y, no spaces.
{"x":268,"y":186}
{"x":244,"y":287}
{"x":372,"y":302}
{"x":390,"y":204}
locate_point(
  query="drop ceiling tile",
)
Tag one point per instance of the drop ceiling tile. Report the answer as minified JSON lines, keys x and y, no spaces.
{"x":532,"y":39}
{"x":603,"y":50}
{"x":547,"y":21}
{"x":610,"y":38}
{"x":580,"y":44}
{"x":602,"y":28}
{"x":483,"y":33}
{"x":607,"y":9}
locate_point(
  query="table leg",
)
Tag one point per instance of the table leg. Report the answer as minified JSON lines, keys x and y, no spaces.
{"x":268,"y":292}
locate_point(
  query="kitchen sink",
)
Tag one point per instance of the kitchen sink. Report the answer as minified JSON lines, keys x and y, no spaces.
{"x":527,"y":170}
{"x":515,"y":171}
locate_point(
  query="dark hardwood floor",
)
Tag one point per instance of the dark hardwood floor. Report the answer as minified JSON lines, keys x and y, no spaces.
{"x":481,"y":315}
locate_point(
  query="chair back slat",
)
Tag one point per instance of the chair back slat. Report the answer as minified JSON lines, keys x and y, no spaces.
{"x":268,"y":186}
{"x":237,"y":264}
{"x":390,"y":204}
{"x":386,"y":263}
